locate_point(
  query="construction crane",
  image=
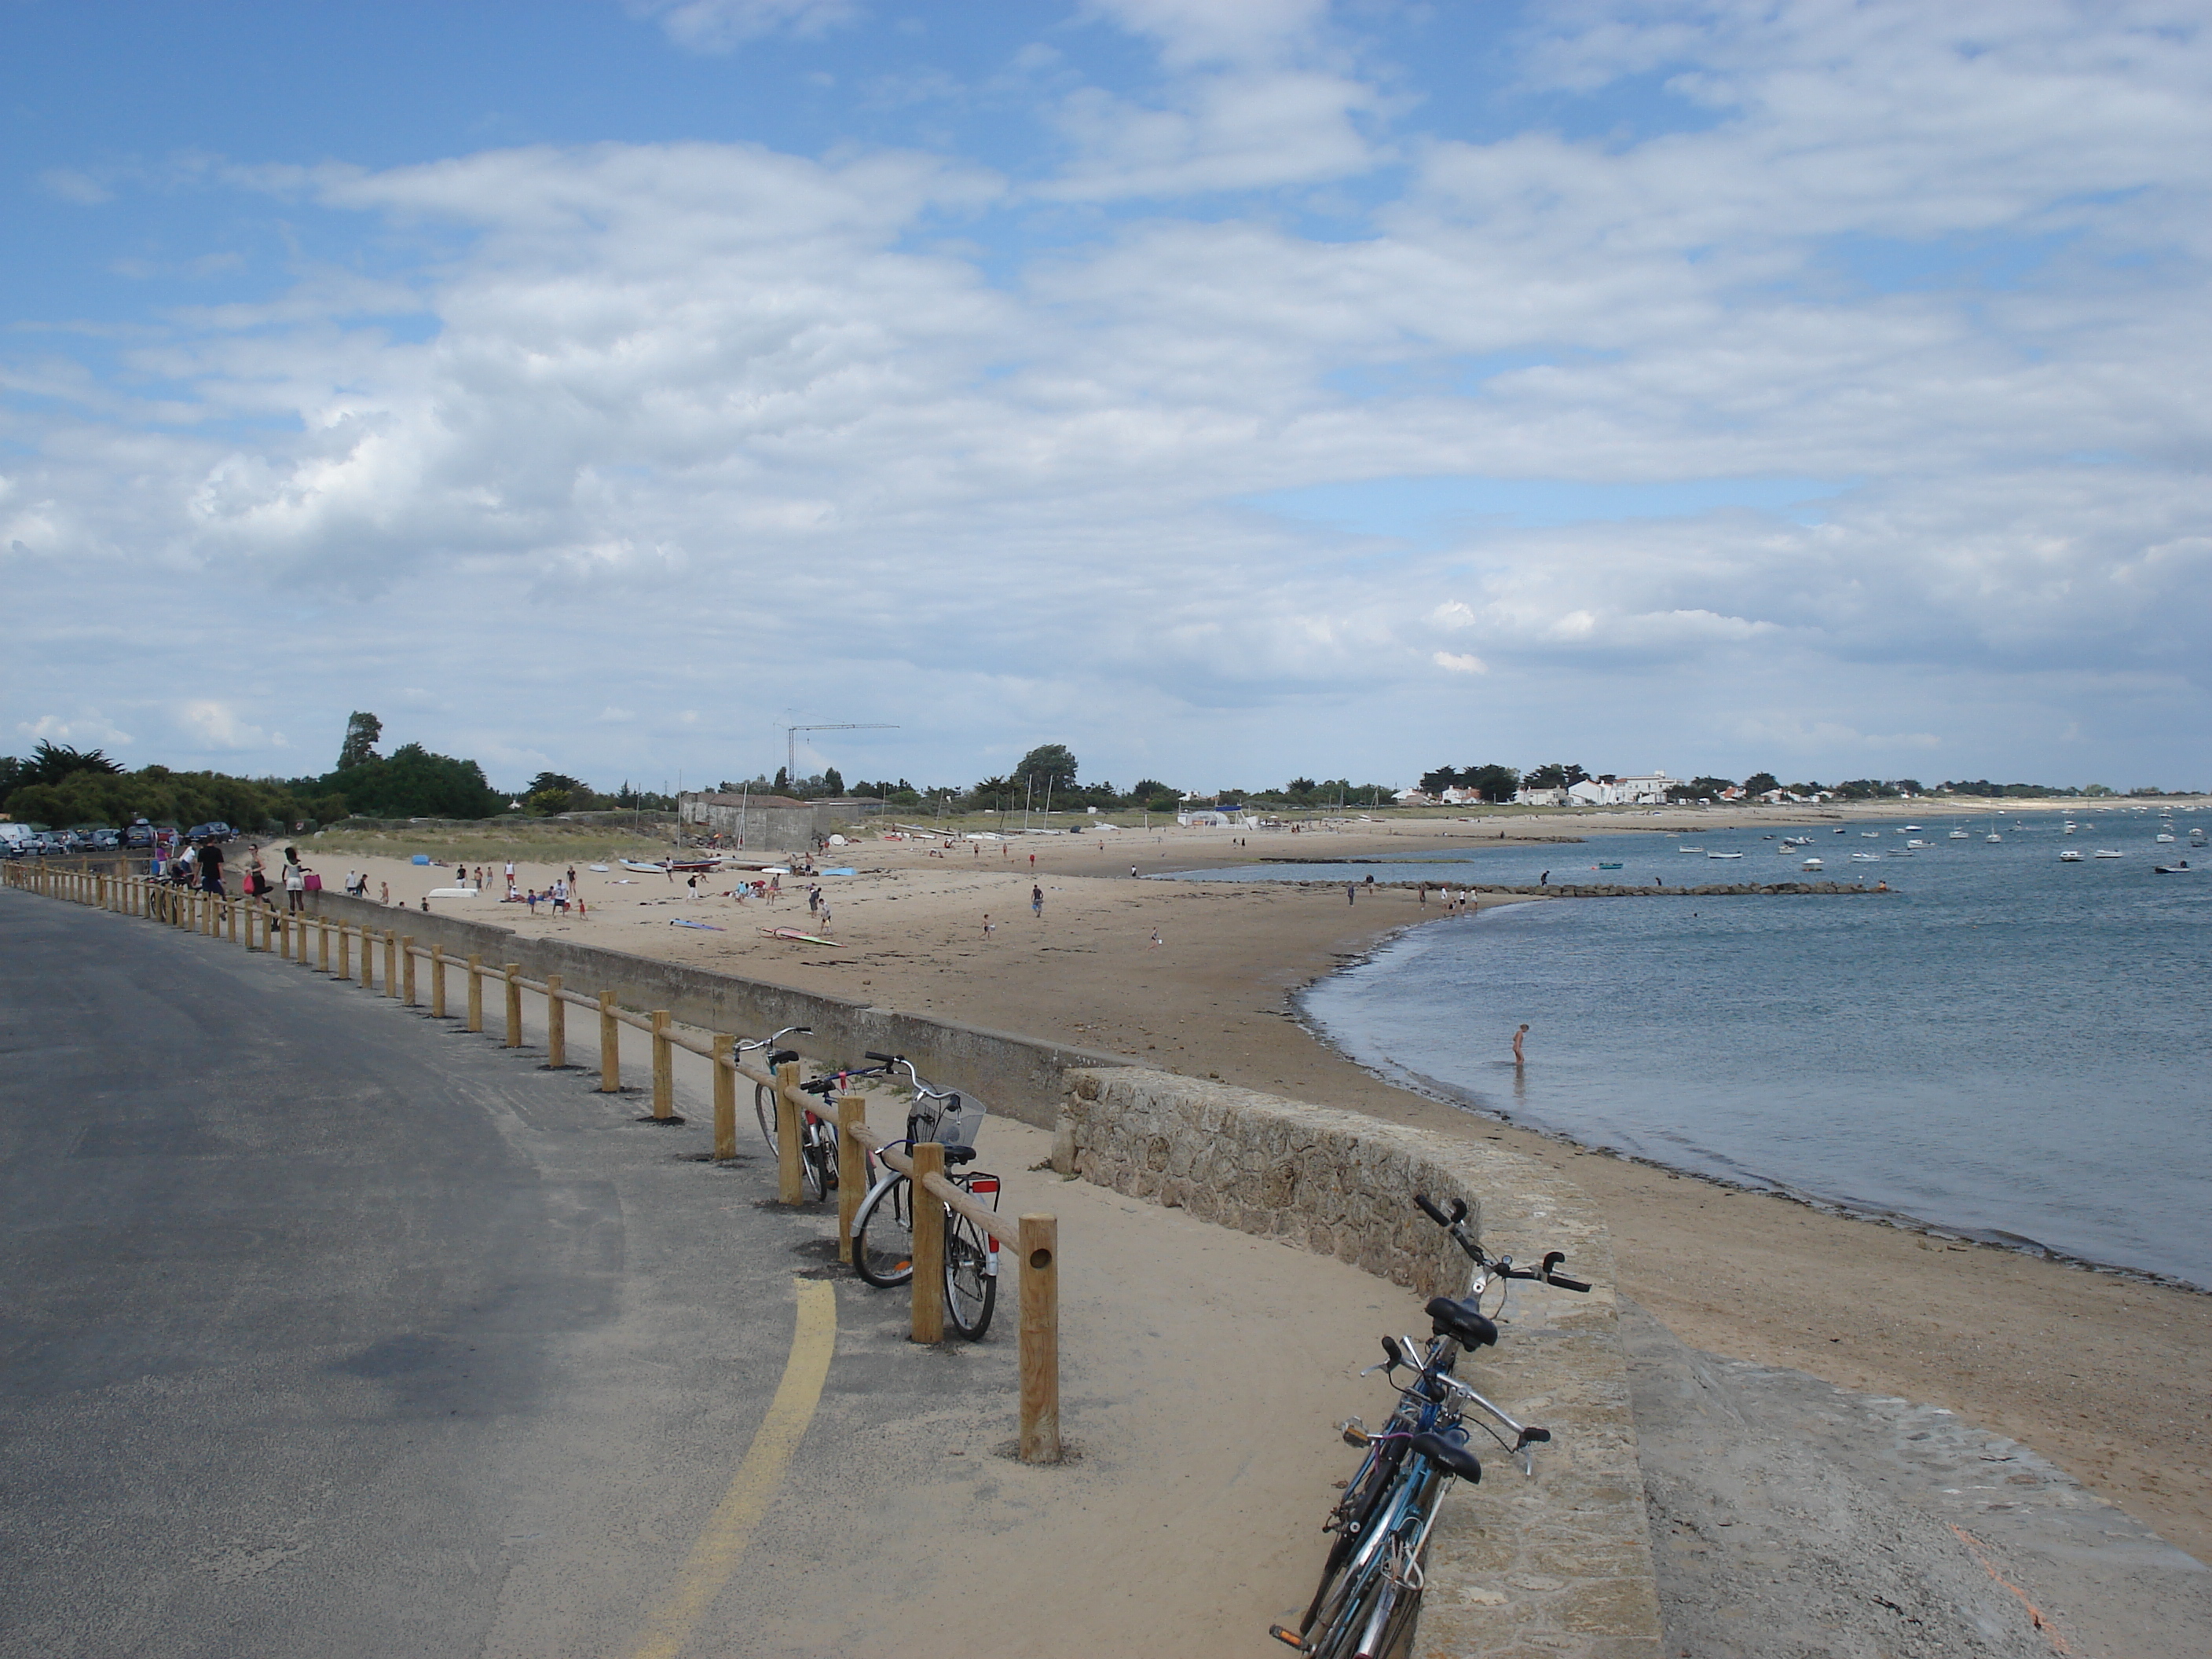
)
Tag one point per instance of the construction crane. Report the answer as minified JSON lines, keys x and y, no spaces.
{"x":791,"y":739}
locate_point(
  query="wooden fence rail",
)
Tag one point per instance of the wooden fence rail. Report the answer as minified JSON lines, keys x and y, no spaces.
{"x":1033,"y":1240}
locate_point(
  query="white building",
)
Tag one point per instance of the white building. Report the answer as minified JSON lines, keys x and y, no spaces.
{"x":1646,"y":789}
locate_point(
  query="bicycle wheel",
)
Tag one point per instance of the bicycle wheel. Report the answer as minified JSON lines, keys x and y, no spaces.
{"x":765,"y":1109}
{"x":814,"y":1159}
{"x":883,"y":1236}
{"x":971,"y":1287}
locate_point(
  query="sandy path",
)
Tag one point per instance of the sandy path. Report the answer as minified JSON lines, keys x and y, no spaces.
{"x":2103,"y":1376}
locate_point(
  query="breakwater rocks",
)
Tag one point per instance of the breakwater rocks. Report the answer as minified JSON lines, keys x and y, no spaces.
{"x":1569,"y":889}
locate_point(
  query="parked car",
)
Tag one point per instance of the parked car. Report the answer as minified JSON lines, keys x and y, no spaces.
{"x":140,"y":833}
{"x":217,"y":830}
{"x":108,"y":840}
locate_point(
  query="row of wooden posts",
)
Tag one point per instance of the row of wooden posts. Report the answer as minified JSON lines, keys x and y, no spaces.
{"x":1033,"y":1240}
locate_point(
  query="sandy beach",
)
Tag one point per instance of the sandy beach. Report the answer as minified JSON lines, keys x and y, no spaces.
{"x":2101,"y":1373}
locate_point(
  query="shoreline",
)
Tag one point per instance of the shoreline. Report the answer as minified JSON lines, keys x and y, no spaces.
{"x":1435,"y":1089}
{"x":2101,"y":1373}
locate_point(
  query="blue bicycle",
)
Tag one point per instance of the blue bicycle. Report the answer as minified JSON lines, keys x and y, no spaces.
{"x":1370,"y":1586}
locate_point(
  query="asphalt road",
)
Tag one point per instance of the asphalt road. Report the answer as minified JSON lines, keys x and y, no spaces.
{"x":328,"y":1328}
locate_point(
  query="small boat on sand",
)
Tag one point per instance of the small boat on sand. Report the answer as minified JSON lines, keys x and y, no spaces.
{"x":795,"y":937}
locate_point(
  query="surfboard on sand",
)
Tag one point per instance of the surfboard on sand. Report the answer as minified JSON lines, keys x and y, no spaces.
{"x":797,"y":937}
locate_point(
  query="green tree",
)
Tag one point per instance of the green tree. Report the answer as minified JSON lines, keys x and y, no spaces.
{"x":362,"y":729}
{"x":412,"y":782}
{"x":51,"y":763}
{"x":1759,"y":782}
{"x":1496,"y":783}
{"x":1048,"y":762}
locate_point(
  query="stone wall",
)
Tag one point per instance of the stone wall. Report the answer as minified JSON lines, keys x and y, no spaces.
{"x":1560,"y":1565}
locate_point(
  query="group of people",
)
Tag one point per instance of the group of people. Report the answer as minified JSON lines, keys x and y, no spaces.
{"x":201,"y":864}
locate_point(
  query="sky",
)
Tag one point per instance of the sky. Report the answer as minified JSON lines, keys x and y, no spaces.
{"x":1229,"y":389}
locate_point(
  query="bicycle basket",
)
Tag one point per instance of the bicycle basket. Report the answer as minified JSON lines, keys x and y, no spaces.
{"x":951,"y":1122}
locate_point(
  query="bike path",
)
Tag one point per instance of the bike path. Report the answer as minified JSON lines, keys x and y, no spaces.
{"x":332,"y":1329}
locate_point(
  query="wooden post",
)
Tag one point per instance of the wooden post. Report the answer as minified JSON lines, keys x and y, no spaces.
{"x":726,"y":1097}
{"x":390,"y":961}
{"x":852,"y":1168}
{"x":610,"y":1046}
{"x":437,"y":982}
{"x":1038,"y":1247}
{"x":789,"y":1187}
{"x":556,"y":1025}
{"x":512,"y":974}
{"x":406,"y":967}
{"x":928,"y":1245}
{"x":322,"y":943}
{"x":284,"y":934}
{"x":664,"y":1067}
{"x":368,"y":957}
{"x":476,"y":994}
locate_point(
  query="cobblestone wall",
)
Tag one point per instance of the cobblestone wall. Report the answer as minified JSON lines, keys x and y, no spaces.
{"x":1556,"y":1566}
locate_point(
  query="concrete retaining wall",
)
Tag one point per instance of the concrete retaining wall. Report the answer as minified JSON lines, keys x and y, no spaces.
{"x":1560,"y":1565}
{"x":1017,"y":1075}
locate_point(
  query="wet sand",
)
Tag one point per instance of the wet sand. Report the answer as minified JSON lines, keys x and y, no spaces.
{"x":2101,"y":1374}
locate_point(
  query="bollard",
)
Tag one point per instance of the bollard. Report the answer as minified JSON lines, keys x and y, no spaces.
{"x":512,"y":974}
{"x":437,"y":982}
{"x":322,"y":943}
{"x":345,"y":951}
{"x":928,"y":1245}
{"x":1038,"y":1247}
{"x":284,"y":939}
{"x":368,"y":958}
{"x":664,"y":1069}
{"x":789,"y":1187}
{"x":476,"y":994}
{"x":391,"y":963}
{"x":407,"y":966}
{"x":726,"y":1097}
{"x":557,"y":1025}
{"x":610,"y":1046}
{"x":852,"y":1168}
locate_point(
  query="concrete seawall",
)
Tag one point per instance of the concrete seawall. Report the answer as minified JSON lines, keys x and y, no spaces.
{"x":1558,"y":1565}
{"x":1019,"y":1076}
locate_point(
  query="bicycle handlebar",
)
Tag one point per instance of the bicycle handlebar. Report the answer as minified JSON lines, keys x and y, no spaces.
{"x":1456,"y":1224}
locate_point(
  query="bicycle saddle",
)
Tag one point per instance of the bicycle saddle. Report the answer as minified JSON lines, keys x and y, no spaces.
{"x":957,"y":1156}
{"x":1448,"y":1455}
{"x":783,"y":1057}
{"x":1463,"y":1320}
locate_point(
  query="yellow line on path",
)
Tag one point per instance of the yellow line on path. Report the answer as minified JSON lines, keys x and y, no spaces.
{"x":722,"y":1540}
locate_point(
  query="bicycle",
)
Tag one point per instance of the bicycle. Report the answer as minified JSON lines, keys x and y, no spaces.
{"x":818,"y":1135}
{"x":1371,"y":1586}
{"x":883,"y":1226}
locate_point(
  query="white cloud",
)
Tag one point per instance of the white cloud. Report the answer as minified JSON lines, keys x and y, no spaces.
{"x":722,"y":26}
{"x":221,"y":725}
{"x":75,"y":731}
{"x":73,"y":185}
{"x":690,"y":418}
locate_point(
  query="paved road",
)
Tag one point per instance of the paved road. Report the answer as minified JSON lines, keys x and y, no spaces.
{"x":325,"y":1323}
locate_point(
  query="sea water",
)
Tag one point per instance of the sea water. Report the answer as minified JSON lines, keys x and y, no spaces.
{"x":2004,"y":1046}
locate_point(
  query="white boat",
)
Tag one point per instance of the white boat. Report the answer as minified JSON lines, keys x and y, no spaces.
{"x":2110,"y":853}
{"x":2180,"y":869}
{"x":1811,"y":864}
{"x":1796,"y":841}
{"x":2196,"y":838}
{"x":1915,"y":842}
{"x":2163,"y":835}
{"x":2069,"y":826}
{"x":1869,"y":835}
{"x":2071,"y":855}
{"x":1960,"y":834}
{"x":1723,"y":855}
{"x":1689,"y":849}
{"x":1866,"y":858}
{"x":1993,"y":838}
{"x":1909,"y":828}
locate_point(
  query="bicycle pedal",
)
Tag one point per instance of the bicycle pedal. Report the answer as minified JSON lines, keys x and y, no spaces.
{"x":1287,"y":1637}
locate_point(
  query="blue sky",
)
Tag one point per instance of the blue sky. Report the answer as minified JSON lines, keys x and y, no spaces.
{"x":1232,"y":390}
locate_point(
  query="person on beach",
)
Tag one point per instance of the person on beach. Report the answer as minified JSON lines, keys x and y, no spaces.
{"x":1544,"y":881}
{"x":823,"y":921}
{"x":1519,"y":1059}
{"x":1351,"y":894}
{"x":1132,"y":872}
{"x":383,"y":892}
{"x":1156,"y":940}
{"x":211,"y":870}
{"x":1424,"y":893}
{"x":1036,"y":902}
{"x":295,"y":881}
{"x":988,"y":927}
